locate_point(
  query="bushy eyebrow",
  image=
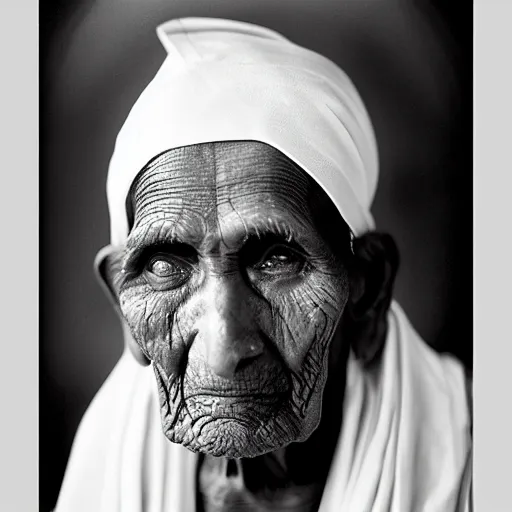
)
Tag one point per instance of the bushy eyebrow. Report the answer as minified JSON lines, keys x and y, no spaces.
{"x":148,"y":238}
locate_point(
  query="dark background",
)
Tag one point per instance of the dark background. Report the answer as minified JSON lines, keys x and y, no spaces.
{"x":412,"y":63}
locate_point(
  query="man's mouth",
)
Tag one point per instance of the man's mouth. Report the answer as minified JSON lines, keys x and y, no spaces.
{"x":235,"y":405}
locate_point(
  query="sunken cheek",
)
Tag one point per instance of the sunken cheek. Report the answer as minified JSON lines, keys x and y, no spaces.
{"x":306,"y":314}
{"x":299,"y":313}
{"x":150,"y":315}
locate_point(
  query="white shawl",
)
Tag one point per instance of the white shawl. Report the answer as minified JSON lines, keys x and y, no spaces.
{"x":404,"y":446}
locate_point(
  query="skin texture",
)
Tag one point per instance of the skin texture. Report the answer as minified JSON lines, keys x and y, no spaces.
{"x":238,"y":284}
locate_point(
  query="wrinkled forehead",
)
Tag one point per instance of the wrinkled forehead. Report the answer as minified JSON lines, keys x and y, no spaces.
{"x":215,"y":178}
{"x":232,"y":189}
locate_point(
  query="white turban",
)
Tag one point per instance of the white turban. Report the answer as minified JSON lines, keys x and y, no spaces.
{"x":226,"y":81}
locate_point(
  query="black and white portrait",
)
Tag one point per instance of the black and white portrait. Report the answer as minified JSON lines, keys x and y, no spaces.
{"x":257,"y":256}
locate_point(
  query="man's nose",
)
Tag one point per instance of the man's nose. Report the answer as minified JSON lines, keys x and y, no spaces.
{"x":228,"y":328}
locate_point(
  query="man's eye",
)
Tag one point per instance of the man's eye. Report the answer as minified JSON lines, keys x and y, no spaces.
{"x":162,"y":268}
{"x":281,"y":260}
{"x":164,"y":272}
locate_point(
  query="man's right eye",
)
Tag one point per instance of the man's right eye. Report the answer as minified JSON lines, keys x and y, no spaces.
{"x":165,"y":272}
{"x":162,"y":268}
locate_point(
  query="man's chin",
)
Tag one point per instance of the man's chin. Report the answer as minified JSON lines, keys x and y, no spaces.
{"x":236,"y":422}
{"x":227,"y":437}
{"x":235,"y":429}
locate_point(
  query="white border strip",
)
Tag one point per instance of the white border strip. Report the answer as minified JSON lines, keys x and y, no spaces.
{"x":19,"y":255}
{"x":492,"y":255}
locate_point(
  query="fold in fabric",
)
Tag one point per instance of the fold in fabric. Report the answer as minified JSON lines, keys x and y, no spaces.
{"x":404,"y":444}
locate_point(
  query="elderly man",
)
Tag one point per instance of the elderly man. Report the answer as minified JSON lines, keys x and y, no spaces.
{"x":267,"y":367}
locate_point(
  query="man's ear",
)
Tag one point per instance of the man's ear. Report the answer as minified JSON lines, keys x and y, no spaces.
{"x":372,"y":279}
{"x":107,"y":268}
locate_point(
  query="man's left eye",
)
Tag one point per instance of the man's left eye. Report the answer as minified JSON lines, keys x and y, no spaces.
{"x":281,"y":260}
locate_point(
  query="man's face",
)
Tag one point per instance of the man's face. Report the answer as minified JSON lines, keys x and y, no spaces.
{"x":232,"y":293}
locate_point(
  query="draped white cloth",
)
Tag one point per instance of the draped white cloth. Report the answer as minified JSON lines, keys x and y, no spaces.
{"x":404,"y":446}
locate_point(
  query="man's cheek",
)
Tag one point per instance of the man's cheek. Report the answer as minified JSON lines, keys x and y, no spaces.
{"x":302,"y":319}
{"x":149,"y":316}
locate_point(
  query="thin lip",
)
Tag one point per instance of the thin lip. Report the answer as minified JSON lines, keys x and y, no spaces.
{"x":256,"y":396}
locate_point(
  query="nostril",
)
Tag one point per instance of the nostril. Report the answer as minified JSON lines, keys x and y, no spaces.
{"x":232,"y":468}
{"x":246,"y":361}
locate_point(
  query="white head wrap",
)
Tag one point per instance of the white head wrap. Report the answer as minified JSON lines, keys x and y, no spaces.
{"x":227,"y":80}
